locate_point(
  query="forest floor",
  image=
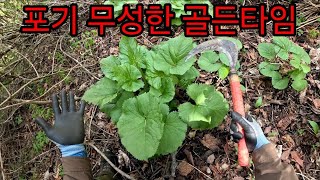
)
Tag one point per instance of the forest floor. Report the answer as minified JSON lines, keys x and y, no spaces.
{"x":33,"y":66}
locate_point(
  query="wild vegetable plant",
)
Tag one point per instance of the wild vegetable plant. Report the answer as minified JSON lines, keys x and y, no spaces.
{"x":178,"y":8}
{"x":117,"y":5}
{"x":315,"y":127}
{"x":218,"y":62}
{"x":143,"y":92}
{"x":284,"y":62}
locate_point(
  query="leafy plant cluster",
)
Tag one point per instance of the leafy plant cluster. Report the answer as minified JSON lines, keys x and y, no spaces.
{"x":284,"y":62}
{"x":143,"y":93}
{"x":178,"y":8}
{"x":40,"y":142}
{"x":218,"y":62}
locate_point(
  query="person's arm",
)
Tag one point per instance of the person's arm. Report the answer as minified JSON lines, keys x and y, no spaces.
{"x":68,"y":134}
{"x":266,"y":161}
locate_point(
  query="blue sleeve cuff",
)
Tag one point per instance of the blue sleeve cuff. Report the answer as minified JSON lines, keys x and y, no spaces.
{"x":75,"y":150}
{"x":261,"y":142}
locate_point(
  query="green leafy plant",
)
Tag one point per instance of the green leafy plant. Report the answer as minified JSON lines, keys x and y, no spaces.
{"x":178,"y":8}
{"x":314,"y":33}
{"x":315,"y":127}
{"x":118,"y":5}
{"x":39,"y":111}
{"x":218,"y":62}
{"x":39,"y":142}
{"x":139,"y":92}
{"x":258,"y":102}
{"x":285,"y":62}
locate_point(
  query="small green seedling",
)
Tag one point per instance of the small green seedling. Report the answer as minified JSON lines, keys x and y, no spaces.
{"x":39,"y":142}
{"x":315,"y":127}
{"x":314,"y":33}
{"x":285,"y":62}
{"x":258,"y":102}
{"x":139,"y":90}
{"x":300,"y":132}
{"x":218,"y":62}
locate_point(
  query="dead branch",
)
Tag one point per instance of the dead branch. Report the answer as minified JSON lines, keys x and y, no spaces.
{"x":1,"y":166}
{"x":35,"y":99}
{"x":108,"y":160}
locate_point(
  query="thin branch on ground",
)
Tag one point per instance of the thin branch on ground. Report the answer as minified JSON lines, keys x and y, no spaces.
{"x":9,"y":94}
{"x":201,"y":172}
{"x":77,"y":61}
{"x":31,"y":64}
{"x":109,"y":161}
{"x":93,"y":112}
{"x":35,"y":99}
{"x":173,"y":164}
{"x":1,"y":166}
{"x":25,"y":85}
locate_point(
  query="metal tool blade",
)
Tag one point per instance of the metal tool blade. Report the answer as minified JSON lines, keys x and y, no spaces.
{"x":221,"y":45}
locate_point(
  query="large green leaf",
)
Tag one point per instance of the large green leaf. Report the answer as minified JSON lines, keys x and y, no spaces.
{"x":223,"y":72}
{"x":280,"y":83}
{"x":283,"y":42}
{"x":297,"y":75}
{"x":132,"y":53}
{"x":114,"y":109}
{"x":305,"y":68}
{"x":128,"y":77}
{"x":267,"y":50}
{"x":101,"y":93}
{"x":194,"y":113}
{"x":107,"y":65}
{"x":299,"y":85}
{"x":170,"y":57}
{"x":141,"y":125}
{"x":188,"y":77}
{"x":173,"y":135}
{"x":269,"y":69}
{"x":154,"y":76}
{"x":300,"y":54}
{"x":209,"y":109}
{"x":166,"y":91}
{"x":208,"y":61}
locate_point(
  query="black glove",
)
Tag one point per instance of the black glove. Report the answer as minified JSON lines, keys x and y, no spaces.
{"x":68,"y":128}
{"x":252,"y":131}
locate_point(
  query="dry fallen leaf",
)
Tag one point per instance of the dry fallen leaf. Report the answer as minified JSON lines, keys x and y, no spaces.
{"x":211,"y":159}
{"x":123,"y":159}
{"x":302,"y":96}
{"x":184,"y":168}
{"x":296,"y":157}
{"x":289,"y":140}
{"x":210,"y":142}
{"x":316,"y":103}
{"x":285,"y":122}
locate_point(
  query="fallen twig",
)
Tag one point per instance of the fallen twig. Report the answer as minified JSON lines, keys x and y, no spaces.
{"x":77,"y":61}
{"x":1,"y":166}
{"x":173,"y":164}
{"x":108,"y":160}
{"x":35,"y":99}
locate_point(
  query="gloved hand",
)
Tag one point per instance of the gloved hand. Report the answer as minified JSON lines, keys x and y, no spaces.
{"x":68,"y":129}
{"x":252,"y":131}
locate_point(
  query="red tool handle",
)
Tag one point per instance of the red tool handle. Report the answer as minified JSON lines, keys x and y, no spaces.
{"x":237,"y":100}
